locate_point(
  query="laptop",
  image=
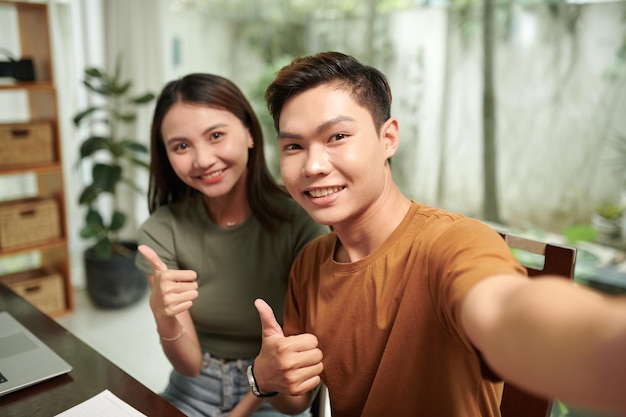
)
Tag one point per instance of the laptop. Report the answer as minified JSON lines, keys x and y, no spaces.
{"x":24,"y":359}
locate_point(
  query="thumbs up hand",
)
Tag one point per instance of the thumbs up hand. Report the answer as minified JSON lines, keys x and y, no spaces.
{"x":289,"y":365}
{"x":172,"y":291}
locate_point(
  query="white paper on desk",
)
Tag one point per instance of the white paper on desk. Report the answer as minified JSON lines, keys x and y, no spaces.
{"x":105,"y":404}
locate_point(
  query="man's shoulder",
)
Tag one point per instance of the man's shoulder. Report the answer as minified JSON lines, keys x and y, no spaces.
{"x":434,"y":217}
{"x":426,"y":211}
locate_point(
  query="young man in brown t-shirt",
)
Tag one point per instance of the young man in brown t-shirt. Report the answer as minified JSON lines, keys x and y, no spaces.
{"x":402,"y":308}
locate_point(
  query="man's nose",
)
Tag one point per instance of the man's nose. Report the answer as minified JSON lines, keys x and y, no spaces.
{"x":316,"y":162}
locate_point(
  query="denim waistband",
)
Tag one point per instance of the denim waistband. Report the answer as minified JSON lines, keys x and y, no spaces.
{"x":241,"y":364}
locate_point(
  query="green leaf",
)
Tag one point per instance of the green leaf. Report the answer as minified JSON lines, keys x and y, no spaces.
{"x":146,"y":98}
{"x":117,"y":221}
{"x":87,"y":232}
{"x":101,"y":88}
{"x":93,"y":144}
{"x":89,"y":194}
{"x":134,"y":146}
{"x":93,"y":72}
{"x":120,"y":90}
{"x":80,"y":116}
{"x":106,"y":176}
{"x":103,"y":248}
{"x":117,"y":149}
{"x":126,"y":117}
{"x":94,"y":220}
{"x":140,"y":163}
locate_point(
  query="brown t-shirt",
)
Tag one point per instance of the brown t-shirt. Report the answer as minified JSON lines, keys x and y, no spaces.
{"x":388,"y":324}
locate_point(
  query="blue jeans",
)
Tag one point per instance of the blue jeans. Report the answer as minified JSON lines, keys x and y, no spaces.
{"x":219,"y":387}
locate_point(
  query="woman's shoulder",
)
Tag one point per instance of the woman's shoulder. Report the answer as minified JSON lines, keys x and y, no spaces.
{"x":288,"y":205}
{"x":176,"y":212}
{"x":284,"y":201}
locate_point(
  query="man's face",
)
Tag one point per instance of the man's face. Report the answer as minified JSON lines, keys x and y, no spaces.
{"x":332,"y":158}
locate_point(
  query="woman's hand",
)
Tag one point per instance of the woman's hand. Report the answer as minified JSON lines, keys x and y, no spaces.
{"x":172,"y":291}
{"x":171,"y":298}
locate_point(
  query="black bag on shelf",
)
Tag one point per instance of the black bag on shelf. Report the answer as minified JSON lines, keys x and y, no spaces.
{"x":21,"y":70}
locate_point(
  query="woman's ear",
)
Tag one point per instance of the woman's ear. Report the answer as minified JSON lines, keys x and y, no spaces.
{"x":390,"y":134}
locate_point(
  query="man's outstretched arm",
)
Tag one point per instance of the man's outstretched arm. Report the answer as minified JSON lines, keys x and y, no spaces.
{"x":552,"y":338}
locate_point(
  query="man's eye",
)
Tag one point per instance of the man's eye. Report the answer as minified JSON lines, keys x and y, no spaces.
{"x":338,"y":136}
{"x":216,"y":135}
{"x":292,"y":147}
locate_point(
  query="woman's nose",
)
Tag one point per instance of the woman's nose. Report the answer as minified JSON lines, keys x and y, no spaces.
{"x":204,"y":157}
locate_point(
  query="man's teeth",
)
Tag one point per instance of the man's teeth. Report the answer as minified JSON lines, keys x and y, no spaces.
{"x":213,"y":174}
{"x":323,"y":192}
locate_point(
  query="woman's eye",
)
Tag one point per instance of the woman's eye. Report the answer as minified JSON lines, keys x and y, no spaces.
{"x":180,"y":147}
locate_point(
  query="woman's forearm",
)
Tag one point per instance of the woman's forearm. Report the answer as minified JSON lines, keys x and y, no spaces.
{"x":180,"y":344}
{"x":247,"y":406}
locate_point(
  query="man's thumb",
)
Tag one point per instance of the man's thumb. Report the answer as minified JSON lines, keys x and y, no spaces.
{"x":268,"y":322}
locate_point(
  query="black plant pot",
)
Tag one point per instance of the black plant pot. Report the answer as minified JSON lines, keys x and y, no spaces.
{"x":114,"y":282}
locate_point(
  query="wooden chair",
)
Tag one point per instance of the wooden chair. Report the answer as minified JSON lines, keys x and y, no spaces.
{"x":557,"y":260}
{"x":319,"y":407}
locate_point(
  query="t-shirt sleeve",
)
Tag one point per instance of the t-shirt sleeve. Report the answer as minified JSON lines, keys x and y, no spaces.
{"x":466,"y":253}
{"x":157,"y":233}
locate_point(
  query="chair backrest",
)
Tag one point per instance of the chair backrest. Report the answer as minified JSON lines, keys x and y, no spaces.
{"x":557,"y":260}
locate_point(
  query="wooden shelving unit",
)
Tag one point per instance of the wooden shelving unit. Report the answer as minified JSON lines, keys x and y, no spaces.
{"x":34,"y":37}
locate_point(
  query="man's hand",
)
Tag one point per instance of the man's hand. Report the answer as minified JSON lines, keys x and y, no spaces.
{"x":172,"y":291}
{"x":289,"y":365}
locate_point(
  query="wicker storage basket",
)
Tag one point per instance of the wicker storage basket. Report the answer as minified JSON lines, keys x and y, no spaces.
{"x":41,"y":287}
{"x":27,"y":222}
{"x":26,"y":144}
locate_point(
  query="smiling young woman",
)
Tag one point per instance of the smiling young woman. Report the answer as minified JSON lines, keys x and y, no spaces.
{"x":212,"y":201}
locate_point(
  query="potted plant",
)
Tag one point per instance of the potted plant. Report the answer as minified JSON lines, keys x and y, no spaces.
{"x":112,"y":279}
{"x":607,"y":221}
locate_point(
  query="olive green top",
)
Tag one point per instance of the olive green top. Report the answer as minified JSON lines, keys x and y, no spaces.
{"x":234,"y":266}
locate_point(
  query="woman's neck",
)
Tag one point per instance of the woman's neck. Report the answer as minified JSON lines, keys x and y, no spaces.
{"x":231,"y":209}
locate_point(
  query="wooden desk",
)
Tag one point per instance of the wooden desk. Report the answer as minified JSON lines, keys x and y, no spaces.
{"x":92,"y":372}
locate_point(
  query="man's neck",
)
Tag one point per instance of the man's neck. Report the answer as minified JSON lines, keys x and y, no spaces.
{"x":366,"y":234}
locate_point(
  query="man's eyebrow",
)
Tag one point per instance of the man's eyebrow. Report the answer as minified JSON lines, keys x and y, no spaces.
{"x":288,"y":135}
{"x":319,"y":129}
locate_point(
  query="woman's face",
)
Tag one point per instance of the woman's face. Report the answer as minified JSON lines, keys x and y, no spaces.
{"x":207,"y":147}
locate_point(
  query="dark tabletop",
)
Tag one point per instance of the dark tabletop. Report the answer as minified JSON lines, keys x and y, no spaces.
{"x":92,"y":373}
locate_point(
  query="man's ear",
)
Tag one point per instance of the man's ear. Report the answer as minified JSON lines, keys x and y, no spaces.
{"x":390,"y":134}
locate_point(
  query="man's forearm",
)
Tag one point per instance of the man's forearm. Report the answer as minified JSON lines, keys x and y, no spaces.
{"x":293,"y":404}
{"x":555,"y":339}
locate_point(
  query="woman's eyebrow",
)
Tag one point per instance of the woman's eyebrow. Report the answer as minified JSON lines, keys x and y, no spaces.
{"x":204,"y":132}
